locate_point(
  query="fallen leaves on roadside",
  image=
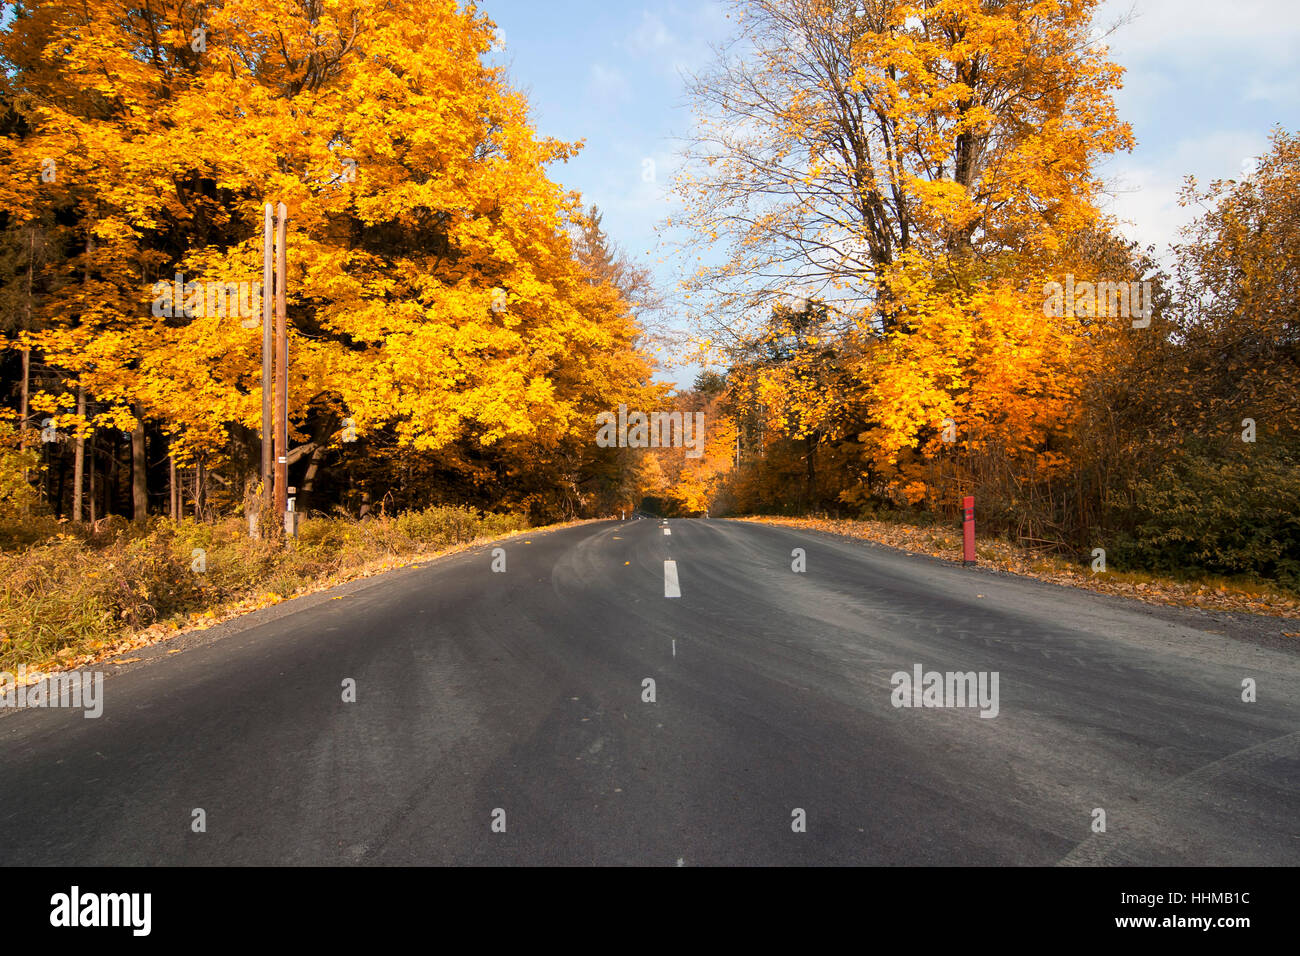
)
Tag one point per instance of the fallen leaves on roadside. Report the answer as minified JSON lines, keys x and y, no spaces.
{"x":99,"y":652}
{"x":1005,"y":556}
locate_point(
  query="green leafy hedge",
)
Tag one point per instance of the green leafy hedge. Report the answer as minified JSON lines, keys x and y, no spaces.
{"x":1227,"y":517}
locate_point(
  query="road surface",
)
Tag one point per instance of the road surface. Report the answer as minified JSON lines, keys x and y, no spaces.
{"x":517,"y":699}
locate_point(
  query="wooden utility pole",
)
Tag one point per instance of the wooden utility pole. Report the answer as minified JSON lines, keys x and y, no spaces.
{"x":268,"y":425}
{"x":281,"y":366}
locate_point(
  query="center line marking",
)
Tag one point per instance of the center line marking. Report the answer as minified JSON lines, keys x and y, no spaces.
{"x":666,"y":531}
{"x":671,"y":588}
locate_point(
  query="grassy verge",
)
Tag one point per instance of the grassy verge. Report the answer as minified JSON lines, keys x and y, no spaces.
{"x":80,"y":596}
{"x":1193,"y":590}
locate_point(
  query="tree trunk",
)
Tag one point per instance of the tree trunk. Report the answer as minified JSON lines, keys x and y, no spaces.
{"x":79,"y":448}
{"x":200,"y":492}
{"x":812,"y":469}
{"x":79,"y":457}
{"x":114,"y":477}
{"x":27,"y":359}
{"x":171,"y":487}
{"x":139,"y":474}
{"x":22,"y":401}
{"x":24,"y":410}
{"x":91,"y":490}
{"x":58,"y":496}
{"x":309,"y":479}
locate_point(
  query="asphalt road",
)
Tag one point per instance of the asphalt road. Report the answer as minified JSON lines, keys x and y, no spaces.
{"x":522,"y":692}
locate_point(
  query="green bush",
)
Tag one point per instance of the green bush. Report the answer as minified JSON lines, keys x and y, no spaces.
{"x":1226,"y":517}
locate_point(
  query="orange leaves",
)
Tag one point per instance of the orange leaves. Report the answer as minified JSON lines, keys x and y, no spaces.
{"x":950,"y":128}
{"x":416,"y":186}
{"x":973,"y":368}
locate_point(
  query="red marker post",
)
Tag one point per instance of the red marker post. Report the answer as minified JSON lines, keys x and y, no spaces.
{"x":968,"y":530}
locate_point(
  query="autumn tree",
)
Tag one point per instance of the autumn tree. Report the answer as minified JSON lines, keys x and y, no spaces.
{"x":685,"y":479}
{"x":920,"y":168}
{"x":835,"y":136}
{"x":435,"y":299}
{"x":791,"y":394}
{"x":1216,"y":443}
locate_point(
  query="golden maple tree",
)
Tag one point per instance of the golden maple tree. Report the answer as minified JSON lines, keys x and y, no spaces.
{"x":433,"y":294}
{"x":921,"y":169}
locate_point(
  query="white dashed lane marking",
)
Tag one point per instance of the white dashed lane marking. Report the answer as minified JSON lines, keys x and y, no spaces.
{"x":671,"y":588}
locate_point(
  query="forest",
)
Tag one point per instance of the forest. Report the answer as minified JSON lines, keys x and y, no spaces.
{"x":902,"y":290}
{"x":920,"y":297}
{"x":447,"y":300}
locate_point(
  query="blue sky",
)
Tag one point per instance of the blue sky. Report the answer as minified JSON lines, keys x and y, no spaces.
{"x":1206,"y":81}
{"x":611,"y":74}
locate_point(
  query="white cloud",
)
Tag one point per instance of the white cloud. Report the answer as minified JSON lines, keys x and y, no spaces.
{"x":651,"y":35}
{"x":607,"y":86}
{"x":1192,"y":33}
{"x":1145,"y":191}
{"x":676,"y":38}
{"x":1282,"y":92}
{"x":1206,"y":80}
{"x":1171,"y":47}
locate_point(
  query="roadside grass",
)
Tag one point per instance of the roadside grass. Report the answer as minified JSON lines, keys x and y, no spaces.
{"x":73,"y":595}
{"x":1192,"y":589}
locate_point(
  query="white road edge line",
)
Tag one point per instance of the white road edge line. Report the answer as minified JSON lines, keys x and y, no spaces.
{"x":671,"y":588}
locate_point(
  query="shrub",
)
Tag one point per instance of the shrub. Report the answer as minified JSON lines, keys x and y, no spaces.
{"x":81,"y":588}
{"x":1227,"y":517}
